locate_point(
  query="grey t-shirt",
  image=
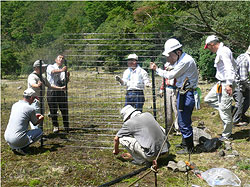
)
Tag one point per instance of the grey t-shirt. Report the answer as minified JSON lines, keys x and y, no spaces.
{"x":21,"y":114}
{"x":145,"y":129}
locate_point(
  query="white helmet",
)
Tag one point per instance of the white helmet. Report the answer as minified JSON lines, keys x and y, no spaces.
{"x":171,"y":45}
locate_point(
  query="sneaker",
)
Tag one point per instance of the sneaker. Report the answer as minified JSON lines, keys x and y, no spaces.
{"x":223,"y":138}
{"x":19,"y":151}
{"x":56,"y":130}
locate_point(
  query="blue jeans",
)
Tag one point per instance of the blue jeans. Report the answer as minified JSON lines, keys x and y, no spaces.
{"x":135,"y":98}
{"x":184,"y":117}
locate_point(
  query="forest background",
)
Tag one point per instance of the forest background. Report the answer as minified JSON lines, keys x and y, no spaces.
{"x":36,"y":30}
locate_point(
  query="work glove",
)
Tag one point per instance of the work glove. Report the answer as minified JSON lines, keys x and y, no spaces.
{"x":169,"y":68}
{"x":148,"y":84}
{"x":117,"y":78}
{"x":160,"y":94}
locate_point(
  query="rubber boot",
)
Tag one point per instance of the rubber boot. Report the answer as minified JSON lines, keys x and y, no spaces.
{"x":182,"y":144}
{"x":189,"y":148}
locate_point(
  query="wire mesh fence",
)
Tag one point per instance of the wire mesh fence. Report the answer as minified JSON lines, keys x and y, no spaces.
{"x":95,"y":98}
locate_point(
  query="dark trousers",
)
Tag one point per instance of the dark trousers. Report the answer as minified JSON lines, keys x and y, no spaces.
{"x":135,"y":98}
{"x":184,"y":117}
{"x":242,"y":101}
{"x":58,"y":99}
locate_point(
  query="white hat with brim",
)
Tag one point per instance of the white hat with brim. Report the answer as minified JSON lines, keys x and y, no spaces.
{"x":210,"y":39}
{"x":29,"y":92}
{"x":37,"y":64}
{"x":127,"y":111}
{"x":248,"y":50}
{"x":132,"y":56}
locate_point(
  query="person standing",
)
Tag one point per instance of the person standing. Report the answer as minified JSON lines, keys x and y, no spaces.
{"x":220,"y":96}
{"x":171,"y":99}
{"x":141,"y":135}
{"x":38,"y":84}
{"x":242,"y":93}
{"x":186,"y":74}
{"x":17,"y":134}
{"x":56,"y":75}
{"x":135,"y":79}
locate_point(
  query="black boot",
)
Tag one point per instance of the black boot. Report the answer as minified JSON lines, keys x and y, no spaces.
{"x":182,"y":144}
{"x":189,"y":148}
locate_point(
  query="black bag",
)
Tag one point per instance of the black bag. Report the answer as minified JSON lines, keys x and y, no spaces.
{"x":209,"y":145}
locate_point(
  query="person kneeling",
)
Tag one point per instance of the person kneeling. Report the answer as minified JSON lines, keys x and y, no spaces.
{"x":17,"y":134}
{"x":141,"y":135}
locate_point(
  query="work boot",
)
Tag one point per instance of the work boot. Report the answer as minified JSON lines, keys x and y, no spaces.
{"x":189,"y":148}
{"x":182,"y":144}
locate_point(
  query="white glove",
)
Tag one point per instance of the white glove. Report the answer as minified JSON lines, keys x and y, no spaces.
{"x":117,"y":78}
{"x":169,"y":68}
{"x":148,"y":84}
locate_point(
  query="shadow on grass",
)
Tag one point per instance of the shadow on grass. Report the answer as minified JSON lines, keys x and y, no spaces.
{"x":242,"y":134}
{"x":39,"y":150}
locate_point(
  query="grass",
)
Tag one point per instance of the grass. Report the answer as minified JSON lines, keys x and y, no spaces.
{"x":95,"y":101}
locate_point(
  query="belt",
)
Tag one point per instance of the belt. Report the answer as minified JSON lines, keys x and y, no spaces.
{"x":170,"y":86}
{"x":188,"y":89}
{"x":134,"y":90}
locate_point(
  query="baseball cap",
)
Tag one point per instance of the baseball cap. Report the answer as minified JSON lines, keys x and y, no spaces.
{"x":132,"y":56}
{"x":210,"y":39}
{"x":248,"y":50}
{"x":37,"y":63}
{"x":29,"y":92}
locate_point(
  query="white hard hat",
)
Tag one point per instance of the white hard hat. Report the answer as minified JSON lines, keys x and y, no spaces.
{"x":171,"y":45}
{"x":132,"y":56}
{"x":210,"y":39}
{"x":248,"y":50}
{"x":127,"y":111}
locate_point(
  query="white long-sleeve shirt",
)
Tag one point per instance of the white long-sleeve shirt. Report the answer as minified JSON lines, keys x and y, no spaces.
{"x":53,"y":78}
{"x":225,"y":65}
{"x":135,"y":79}
{"x":184,"y":68}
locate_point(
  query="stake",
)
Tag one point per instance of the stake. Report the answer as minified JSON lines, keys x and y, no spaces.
{"x":165,"y":104}
{"x":66,"y":93}
{"x":153,"y":90}
{"x":41,"y":97}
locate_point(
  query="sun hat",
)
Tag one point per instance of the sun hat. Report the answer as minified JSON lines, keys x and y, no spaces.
{"x":37,"y":63}
{"x":132,"y":56}
{"x":127,"y":111}
{"x":210,"y":39}
{"x":29,"y":92}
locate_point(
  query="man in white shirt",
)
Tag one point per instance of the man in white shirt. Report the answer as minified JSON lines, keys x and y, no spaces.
{"x":17,"y":134}
{"x":220,"y":96}
{"x":186,"y":74}
{"x":56,"y":75}
{"x":135,"y":79}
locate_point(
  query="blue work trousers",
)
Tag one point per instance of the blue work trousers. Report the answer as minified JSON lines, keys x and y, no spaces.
{"x":135,"y":98}
{"x":184,"y":117}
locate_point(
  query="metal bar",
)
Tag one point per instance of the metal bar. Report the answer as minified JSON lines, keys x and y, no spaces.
{"x":153,"y":91}
{"x":41,"y":98}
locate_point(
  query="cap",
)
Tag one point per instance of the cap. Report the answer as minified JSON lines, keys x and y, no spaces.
{"x":29,"y":92}
{"x":210,"y":39}
{"x":248,"y":50}
{"x":132,"y":56}
{"x":37,"y":63}
{"x":127,"y":111}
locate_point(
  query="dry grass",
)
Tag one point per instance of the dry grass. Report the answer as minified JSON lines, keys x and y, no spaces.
{"x":67,"y":163}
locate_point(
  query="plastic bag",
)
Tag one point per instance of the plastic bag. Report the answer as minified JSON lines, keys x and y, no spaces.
{"x":220,"y":176}
{"x":197,"y":98}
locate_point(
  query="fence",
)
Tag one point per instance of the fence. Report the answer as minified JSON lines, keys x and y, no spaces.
{"x":94,"y":97}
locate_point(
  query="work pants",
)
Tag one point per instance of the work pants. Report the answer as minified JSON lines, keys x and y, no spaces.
{"x":241,"y":96}
{"x":224,"y":107}
{"x":58,"y":99}
{"x":171,"y":105}
{"x":135,"y":98}
{"x":184,"y":117}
